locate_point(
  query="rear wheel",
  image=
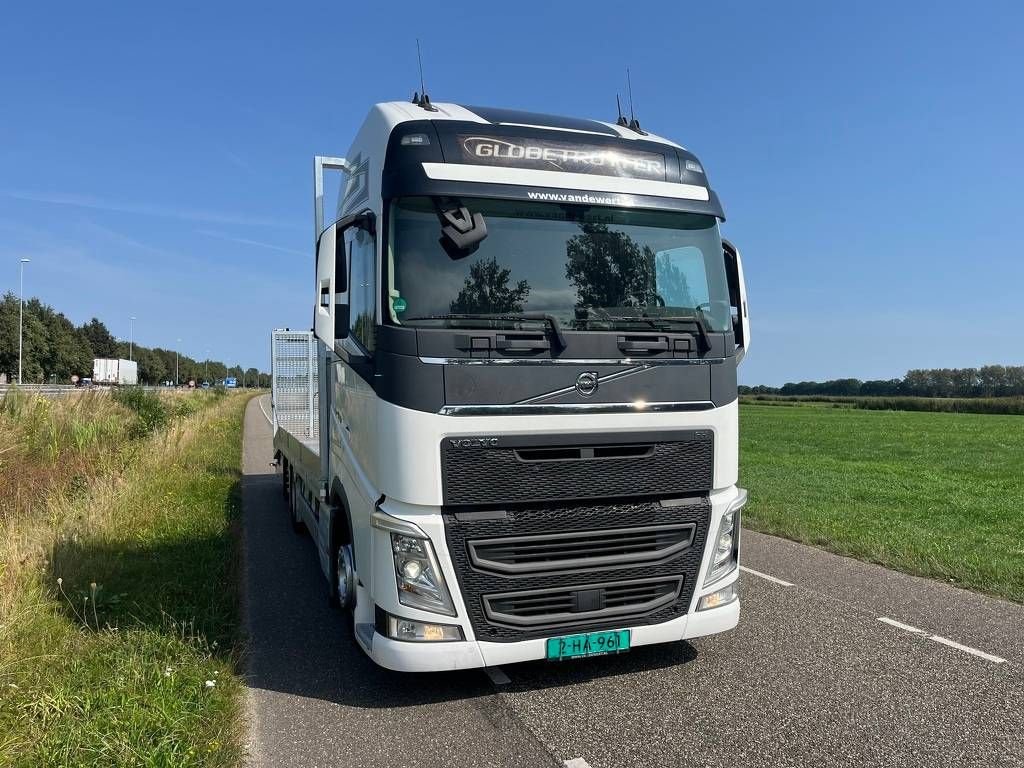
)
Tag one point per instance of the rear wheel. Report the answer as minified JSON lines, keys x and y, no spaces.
{"x":293,"y":505}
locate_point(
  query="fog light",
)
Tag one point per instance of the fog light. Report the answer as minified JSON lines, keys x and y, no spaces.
{"x":719,"y":597}
{"x":422,"y":632}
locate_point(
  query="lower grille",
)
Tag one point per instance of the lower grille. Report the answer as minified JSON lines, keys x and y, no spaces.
{"x":540,"y":570}
{"x":552,"y":608}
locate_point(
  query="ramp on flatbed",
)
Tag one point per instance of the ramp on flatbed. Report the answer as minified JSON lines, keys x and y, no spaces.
{"x":295,"y":398}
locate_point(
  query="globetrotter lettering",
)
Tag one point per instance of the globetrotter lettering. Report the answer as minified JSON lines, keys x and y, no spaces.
{"x":564,"y":157}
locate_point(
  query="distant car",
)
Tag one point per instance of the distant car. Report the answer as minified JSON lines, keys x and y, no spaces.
{"x":86,"y":383}
{"x":230,"y":382}
{"x":206,"y":385}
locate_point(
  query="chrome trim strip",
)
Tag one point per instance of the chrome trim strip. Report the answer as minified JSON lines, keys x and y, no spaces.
{"x":630,"y":361}
{"x":572,"y":387}
{"x":543,"y":409}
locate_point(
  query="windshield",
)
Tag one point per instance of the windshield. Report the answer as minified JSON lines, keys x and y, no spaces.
{"x":589,"y":267}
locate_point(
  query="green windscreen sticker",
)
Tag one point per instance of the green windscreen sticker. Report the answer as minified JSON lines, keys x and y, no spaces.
{"x":399,"y":304}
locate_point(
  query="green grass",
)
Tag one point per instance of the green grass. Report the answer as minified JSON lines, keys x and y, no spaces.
{"x":1002,"y":405}
{"x":934,"y":494}
{"x":106,"y":652}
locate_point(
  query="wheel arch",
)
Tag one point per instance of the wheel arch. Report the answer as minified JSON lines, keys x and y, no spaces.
{"x":341,"y":520}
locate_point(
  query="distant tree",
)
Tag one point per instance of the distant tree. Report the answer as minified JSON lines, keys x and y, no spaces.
{"x":102,"y":343}
{"x":36,"y":341}
{"x":152,"y":369}
{"x":487,"y":290}
{"x":66,"y":352}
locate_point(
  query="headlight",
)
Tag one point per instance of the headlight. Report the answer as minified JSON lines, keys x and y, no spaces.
{"x":420,"y":583}
{"x":725,"y":556}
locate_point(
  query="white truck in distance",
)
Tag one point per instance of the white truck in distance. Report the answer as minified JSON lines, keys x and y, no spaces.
{"x":513,"y":430}
{"x":115,"y":372}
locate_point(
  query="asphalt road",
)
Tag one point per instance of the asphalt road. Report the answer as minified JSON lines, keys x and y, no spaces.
{"x":834,"y":662}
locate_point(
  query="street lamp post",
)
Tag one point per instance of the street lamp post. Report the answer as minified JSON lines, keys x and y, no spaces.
{"x":131,"y":337}
{"x":21,"y":314}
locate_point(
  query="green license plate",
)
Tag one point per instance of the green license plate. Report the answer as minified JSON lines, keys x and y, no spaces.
{"x":591,"y":644}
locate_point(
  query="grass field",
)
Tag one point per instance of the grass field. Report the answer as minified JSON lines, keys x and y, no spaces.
{"x":118,"y":623}
{"x":934,"y":494}
{"x":990,"y":405}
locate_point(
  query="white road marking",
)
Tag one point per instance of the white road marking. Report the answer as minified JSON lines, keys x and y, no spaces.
{"x":968,"y":649}
{"x":576,"y":762}
{"x":943,"y":640}
{"x":765,"y":576}
{"x":497,"y":675}
{"x":260,"y":399}
{"x":901,"y":625}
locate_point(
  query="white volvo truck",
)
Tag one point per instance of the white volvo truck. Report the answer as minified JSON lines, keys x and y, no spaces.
{"x":518,"y":437}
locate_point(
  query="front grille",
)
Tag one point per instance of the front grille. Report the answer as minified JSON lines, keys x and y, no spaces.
{"x":551,"y":608}
{"x":641,"y":567}
{"x":546,"y":468}
{"x":580,"y":549}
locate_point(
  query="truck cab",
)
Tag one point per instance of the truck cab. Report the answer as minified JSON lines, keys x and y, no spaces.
{"x":520,"y":439}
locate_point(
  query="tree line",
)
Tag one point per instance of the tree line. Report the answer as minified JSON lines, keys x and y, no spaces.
{"x":987,"y":381}
{"x":55,"y":349}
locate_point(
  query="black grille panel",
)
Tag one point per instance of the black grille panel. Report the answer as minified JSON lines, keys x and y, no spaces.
{"x":554,"y":608}
{"x":545,"y":468}
{"x":580,"y":549}
{"x":536,"y":598}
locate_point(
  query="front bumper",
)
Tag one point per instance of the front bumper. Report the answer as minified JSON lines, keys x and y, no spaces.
{"x":438,"y":657}
{"x":474,"y":653}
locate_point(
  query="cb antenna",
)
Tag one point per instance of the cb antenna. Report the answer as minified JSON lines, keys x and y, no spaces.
{"x":421,"y":99}
{"x":629,"y":89}
{"x":634,"y":124}
{"x":621,"y":119}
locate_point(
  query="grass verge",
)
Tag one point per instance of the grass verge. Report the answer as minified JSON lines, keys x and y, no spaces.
{"x":997,"y":405}
{"x":117,"y":647}
{"x":933,"y":494}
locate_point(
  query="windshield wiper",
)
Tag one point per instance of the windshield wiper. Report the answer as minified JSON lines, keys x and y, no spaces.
{"x":697,"y":318}
{"x":556,"y":326}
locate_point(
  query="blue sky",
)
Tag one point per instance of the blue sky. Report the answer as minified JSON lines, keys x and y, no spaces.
{"x":155,"y":161}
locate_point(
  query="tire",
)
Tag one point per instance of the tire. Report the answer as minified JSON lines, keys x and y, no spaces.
{"x":293,"y":506}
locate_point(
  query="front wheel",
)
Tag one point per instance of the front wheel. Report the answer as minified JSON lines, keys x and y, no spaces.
{"x":343,"y":581}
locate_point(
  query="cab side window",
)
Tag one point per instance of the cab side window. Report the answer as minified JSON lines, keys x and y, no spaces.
{"x":362,"y":288}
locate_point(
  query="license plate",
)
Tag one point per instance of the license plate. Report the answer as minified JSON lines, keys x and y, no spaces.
{"x":590,"y":644}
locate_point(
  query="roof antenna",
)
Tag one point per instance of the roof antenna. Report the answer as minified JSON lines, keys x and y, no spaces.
{"x":621,"y":119}
{"x":424,"y":100}
{"x":634,"y":124}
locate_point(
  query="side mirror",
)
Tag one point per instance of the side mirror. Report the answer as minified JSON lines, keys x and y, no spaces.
{"x":330,"y":320}
{"x":737,"y":298}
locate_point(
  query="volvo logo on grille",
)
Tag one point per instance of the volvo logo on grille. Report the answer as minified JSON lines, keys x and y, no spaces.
{"x":586,"y":383}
